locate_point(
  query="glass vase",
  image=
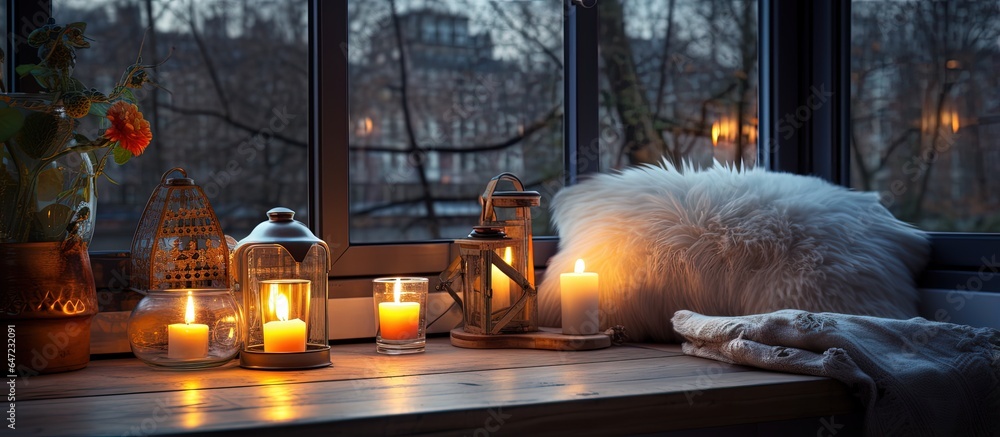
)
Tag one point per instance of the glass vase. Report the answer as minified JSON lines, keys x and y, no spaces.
{"x":186,"y":328}
{"x":46,"y":193}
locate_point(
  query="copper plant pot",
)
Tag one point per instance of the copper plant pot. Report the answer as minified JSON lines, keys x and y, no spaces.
{"x":49,"y":298}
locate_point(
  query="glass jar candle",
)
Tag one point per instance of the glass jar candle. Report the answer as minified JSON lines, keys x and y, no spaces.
{"x":400,"y":315}
{"x":186,"y":328}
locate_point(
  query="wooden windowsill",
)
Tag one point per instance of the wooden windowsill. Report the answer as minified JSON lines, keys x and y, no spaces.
{"x":636,"y":388}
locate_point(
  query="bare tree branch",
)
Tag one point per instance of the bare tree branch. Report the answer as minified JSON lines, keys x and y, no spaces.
{"x":666,"y":56}
{"x":234,"y":123}
{"x":408,"y":122}
{"x":213,"y":74}
{"x":526,"y":35}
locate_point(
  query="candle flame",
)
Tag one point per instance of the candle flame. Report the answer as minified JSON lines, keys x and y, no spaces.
{"x":396,"y":290}
{"x":281,"y":307}
{"x":579,"y":266}
{"x":189,"y":311}
{"x":507,"y":256}
{"x":716,"y":131}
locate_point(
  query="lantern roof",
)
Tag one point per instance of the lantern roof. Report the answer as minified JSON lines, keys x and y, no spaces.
{"x":282,"y":229}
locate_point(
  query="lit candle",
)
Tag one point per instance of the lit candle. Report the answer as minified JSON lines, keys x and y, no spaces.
{"x":284,"y":335}
{"x":398,"y":320}
{"x":579,"y":301}
{"x":501,"y":284}
{"x":187,"y":340}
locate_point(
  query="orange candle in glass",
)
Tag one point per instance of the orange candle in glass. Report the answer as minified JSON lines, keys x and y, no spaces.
{"x":398,"y":320}
{"x":284,"y":335}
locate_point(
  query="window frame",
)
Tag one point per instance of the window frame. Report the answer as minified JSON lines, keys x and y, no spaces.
{"x":353,"y":264}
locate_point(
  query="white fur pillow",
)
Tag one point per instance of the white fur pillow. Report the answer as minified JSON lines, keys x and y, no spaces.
{"x":722,"y":242}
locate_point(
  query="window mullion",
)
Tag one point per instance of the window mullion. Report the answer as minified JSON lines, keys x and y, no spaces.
{"x":581,"y":95}
{"x":23,"y":16}
{"x":805,"y":87}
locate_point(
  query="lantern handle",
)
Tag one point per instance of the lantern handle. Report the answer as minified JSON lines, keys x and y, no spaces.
{"x":488,"y":214}
{"x":163,"y":179}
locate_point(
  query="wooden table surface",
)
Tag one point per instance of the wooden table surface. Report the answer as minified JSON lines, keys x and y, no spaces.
{"x":635,"y":388}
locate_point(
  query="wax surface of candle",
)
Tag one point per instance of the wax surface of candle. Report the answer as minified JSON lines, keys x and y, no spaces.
{"x":284,"y":335}
{"x":187,"y":340}
{"x":501,"y":284}
{"x":580,"y":300}
{"x":398,"y":320}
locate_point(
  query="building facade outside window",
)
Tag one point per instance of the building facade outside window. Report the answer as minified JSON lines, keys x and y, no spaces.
{"x":925,"y":111}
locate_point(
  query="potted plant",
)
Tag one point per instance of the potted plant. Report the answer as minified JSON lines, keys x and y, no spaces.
{"x":48,"y":197}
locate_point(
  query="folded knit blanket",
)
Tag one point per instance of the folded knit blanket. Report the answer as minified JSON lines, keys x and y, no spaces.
{"x":914,"y":377}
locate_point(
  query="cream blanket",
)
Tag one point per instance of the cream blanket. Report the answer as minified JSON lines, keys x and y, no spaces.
{"x":914,"y":377}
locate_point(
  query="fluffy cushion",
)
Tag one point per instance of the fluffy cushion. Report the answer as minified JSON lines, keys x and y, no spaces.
{"x":723,"y":242}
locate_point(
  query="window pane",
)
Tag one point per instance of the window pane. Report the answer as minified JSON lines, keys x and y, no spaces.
{"x":925,"y":110}
{"x":473,"y":89}
{"x":678,"y":81}
{"x":231,"y":107}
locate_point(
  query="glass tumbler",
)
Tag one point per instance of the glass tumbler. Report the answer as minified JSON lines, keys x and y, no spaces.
{"x":400,"y":315}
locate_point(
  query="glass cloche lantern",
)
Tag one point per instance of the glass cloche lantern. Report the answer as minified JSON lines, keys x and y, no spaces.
{"x":281,"y":276}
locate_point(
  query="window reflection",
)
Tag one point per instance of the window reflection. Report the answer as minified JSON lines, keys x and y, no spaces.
{"x":232,"y":107}
{"x":924,"y":110}
{"x":678,"y":82}
{"x":464,"y":99}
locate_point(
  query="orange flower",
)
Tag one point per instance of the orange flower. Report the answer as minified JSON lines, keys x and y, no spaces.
{"x":128,"y":128}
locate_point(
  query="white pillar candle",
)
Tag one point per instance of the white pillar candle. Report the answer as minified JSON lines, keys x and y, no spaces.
{"x":187,"y":340}
{"x":580,"y":299}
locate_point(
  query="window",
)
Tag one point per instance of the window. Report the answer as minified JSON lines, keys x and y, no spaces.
{"x":925,"y":111}
{"x":699,"y":91}
{"x":678,"y":82}
{"x":451,"y":99}
{"x":231,"y":104}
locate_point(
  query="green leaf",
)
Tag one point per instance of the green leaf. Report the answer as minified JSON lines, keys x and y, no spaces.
{"x":129,"y":96}
{"x":11,"y":121}
{"x":99,"y":109}
{"x":47,"y":78}
{"x":73,"y":84}
{"x":24,"y":70}
{"x":81,"y":138}
{"x":121,"y":155}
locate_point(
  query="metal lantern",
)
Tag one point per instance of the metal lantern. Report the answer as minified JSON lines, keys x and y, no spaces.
{"x":499,"y":294}
{"x":281,"y":275}
{"x":179,"y":243}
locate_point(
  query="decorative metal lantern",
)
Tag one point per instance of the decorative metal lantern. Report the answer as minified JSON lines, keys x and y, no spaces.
{"x":281,"y":275}
{"x":499,"y":294}
{"x":179,"y":243}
